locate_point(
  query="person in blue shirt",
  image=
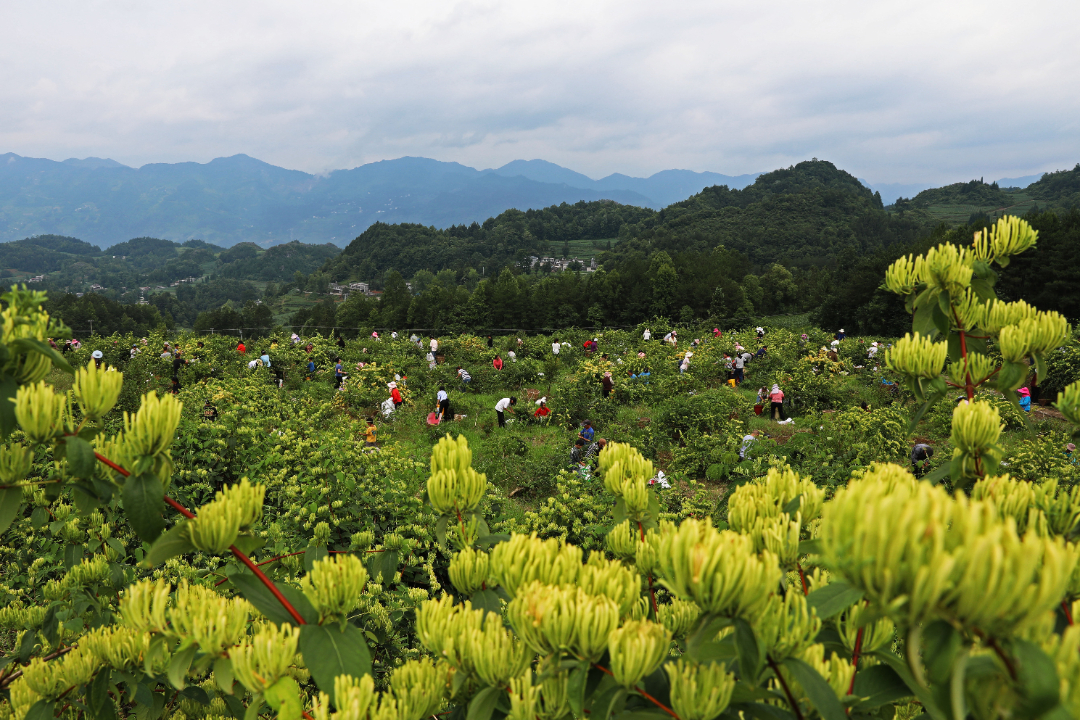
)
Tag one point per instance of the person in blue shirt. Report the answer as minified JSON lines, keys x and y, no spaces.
{"x":587,"y":433}
{"x":265,"y":357}
{"x":339,"y":372}
{"x":1025,"y":399}
{"x":644,"y":375}
{"x":311,"y":369}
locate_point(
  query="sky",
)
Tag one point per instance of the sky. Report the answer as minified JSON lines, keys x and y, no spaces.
{"x":911,"y":91}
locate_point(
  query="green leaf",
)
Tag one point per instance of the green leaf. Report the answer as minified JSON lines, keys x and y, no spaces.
{"x":179,"y":665}
{"x":483,"y":703}
{"x":833,"y":599}
{"x":575,"y":689}
{"x":810,"y":547}
{"x":900,"y":667}
{"x":1037,"y":678}
{"x":383,"y":566}
{"x":8,"y":388}
{"x":941,"y":643}
{"x":329,"y":652}
{"x":223,"y":674}
{"x":260,"y":596}
{"x":80,"y":457}
{"x":170,"y":544}
{"x":300,"y":603}
{"x":144,"y":501}
{"x":284,"y":698}
{"x":85,"y":497}
{"x":313,"y":554}
{"x":793,"y":506}
{"x":10,"y":501}
{"x":486,"y":600}
{"x":41,"y":710}
{"x":608,"y":703}
{"x":489,"y":541}
{"x":99,"y":706}
{"x":39,"y":517}
{"x":440,"y":528}
{"x":923,"y":320}
{"x":29,"y":345}
{"x":817,"y":690}
{"x":879,"y":685}
{"x":255,"y":708}
{"x":248,"y":544}
{"x":751,"y":659}
{"x":704,"y":633}
{"x":236,"y":708}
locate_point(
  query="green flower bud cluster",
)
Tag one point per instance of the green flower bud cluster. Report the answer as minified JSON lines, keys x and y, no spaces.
{"x":1009,"y":236}
{"x":15,"y":462}
{"x":900,"y":277}
{"x":1064,"y":649}
{"x":23,"y":317}
{"x":418,"y":687}
{"x":453,"y":485}
{"x":552,"y":619}
{"x":120,"y":647}
{"x":31,"y":367}
{"x":554,"y":697}
{"x":976,"y":427}
{"x":497,"y":656}
{"x":1068,"y":403}
{"x":353,"y":697}
{"x":947,"y":267}
{"x":611,"y":579}
{"x":878,"y":632}
{"x":362,"y":540}
{"x":637,"y":649}
{"x":97,"y":389}
{"x":678,"y":616}
{"x":1033,"y":336}
{"x":321,"y":536}
{"x":767,"y":497}
{"x":626,"y":475}
{"x":998,"y":314}
{"x":524,"y":697}
{"x":976,"y":367}
{"x":647,"y":557}
{"x":836,"y":670}
{"x":719,"y":570}
{"x":150,"y":431}
{"x":1013,"y":499}
{"x":144,"y":604}
{"x":233,"y":510}
{"x":471,"y":641}
{"x":15,"y":616}
{"x":786,"y":626}
{"x":40,"y":412}
{"x":1061,"y":509}
{"x":267,"y":658}
{"x":91,"y":571}
{"x":469,"y":570}
{"x":622,"y":541}
{"x":335,"y":584}
{"x":525,"y":558}
{"x":699,"y":692}
{"x":917,"y":356}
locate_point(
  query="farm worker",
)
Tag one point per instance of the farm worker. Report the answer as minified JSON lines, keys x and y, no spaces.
{"x":240,"y":347}
{"x":1025,"y":399}
{"x":491,"y":341}
{"x":669,"y":337}
{"x":497,"y":363}
{"x":872,"y":351}
{"x":503,"y":406}
{"x":587,"y":432}
{"x":555,"y":346}
{"x":310,"y":369}
{"x":747,"y":441}
{"x":134,"y":351}
{"x":840,"y":335}
{"x":374,"y":334}
{"x":740,"y":363}
{"x":254,"y":364}
{"x":434,"y":345}
{"x":1069,"y":450}
{"x":647,"y":335}
{"x":716,"y":333}
{"x":577,"y":453}
{"x":606,"y":385}
{"x":542,"y":410}
{"x":685,"y":364}
{"x":466,"y":378}
{"x":369,"y":433}
{"x":393,"y":335}
{"x":512,"y":355}
{"x":395,"y":394}
{"x":431,"y":361}
{"x":644,"y":374}
{"x":97,"y":355}
{"x":921,"y":453}
{"x":339,"y":372}
{"x":265,"y":357}
{"x":443,"y":401}
{"x":762,"y":351}
{"x":295,"y":339}
{"x":776,"y":398}
{"x":761,"y":332}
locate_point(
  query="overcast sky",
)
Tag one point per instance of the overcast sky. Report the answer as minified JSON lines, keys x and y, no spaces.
{"x":909,"y":91}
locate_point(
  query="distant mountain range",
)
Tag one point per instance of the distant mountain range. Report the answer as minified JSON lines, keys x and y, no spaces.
{"x":239,"y":198}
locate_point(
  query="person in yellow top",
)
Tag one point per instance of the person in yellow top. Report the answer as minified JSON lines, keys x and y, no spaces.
{"x":369,"y":434}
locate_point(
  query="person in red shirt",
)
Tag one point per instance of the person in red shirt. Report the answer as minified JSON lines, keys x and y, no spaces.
{"x":497,"y":363}
{"x":542,"y":410}
{"x":240,"y":347}
{"x":395,"y":394}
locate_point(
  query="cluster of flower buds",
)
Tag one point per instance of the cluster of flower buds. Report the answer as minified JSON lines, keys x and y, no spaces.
{"x":444,"y":628}
{"x":946,"y":267}
{"x":151,"y":430}
{"x":417,"y":687}
{"x":1009,"y":236}
{"x":470,"y":570}
{"x":551,"y":619}
{"x":678,"y":616}
{"x":767,"y":497}
{"x":719,"y":570}
{"x":836,"y":670}
{"x":118,"y":646}
{"x":525,"y":558}
{"x":267,"y":658}
{"x":917,"y":356}
{"x":96,"y":389}
{"x":201,"y":617}
{"x":335,"y":584}
{"x":636,"y":650}
{"x":144,"y":606}
{"x":622,"y":541}
{"x":1033,"y":336}
{"x":15,"y":462}
{"x":976,"y":427}
{"x":453,"y":485}
{"x":612,"y":579}
{"x":786,"y":626}
{"x":1060,"y":508}
{"x":877,"y":632}
{"x":699,"y":692}
{"x":234,"y":510}
{"x":626,"y":475}
{"x":900,"y":277}
{"x":975,"y":368}
{"x":1012,"y":498}
{"x":1068,"y":403}
{"x":40,"y":412}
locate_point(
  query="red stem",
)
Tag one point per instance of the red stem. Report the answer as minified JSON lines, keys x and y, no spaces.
{"x":232,"y":548}
{"x":279,"y":557}
{"x":802,"y":577}
{"x":1068,"y":611}
{"x":643,"y":694}
{"x":855,"y":660}
{"x":787,"y":691}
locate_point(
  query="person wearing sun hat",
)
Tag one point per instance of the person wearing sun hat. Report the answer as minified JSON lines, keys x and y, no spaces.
{"x":98,"y":356}
{"x":395,"y":394}
{"x":1025,"y":399}
{"x":1069,"y":450}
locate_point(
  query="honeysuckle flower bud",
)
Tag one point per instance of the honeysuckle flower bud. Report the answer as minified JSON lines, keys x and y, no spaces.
{"x":40,"y":412}
{"x":23,"y":316}
{"x":610,"y":579}
{"x":144,"y":604}
{"x":554,"y":697}
{"x":151,"y":430}
{"x":562,"y":619}
{"x":945,"y":266}
{"x":719,"y":570}
{"x":678,"y":616}
{"x":453,"y":485}
{"x":96,"y":389}
{"x":523,"y":698}
{"x":877,"y":633}
{"x":321,"y":536}
{"x":836,"y":670}
{"x":272,"y":650}
{"x":497,"y":655}
{"x":387,"y":709}
{"x":999,"y":314}
{"x":353,"y":697}
{"x":1068,"y":402}
{"x":976,"y":427}
{"x":767,"y":497}
{"x":1009,"y":236}
{"x":900,"y":277}
{"x":621,"y":462}
{"x":1012,"y":499}
{"x":249,"y":497}
{"x":622,"y":541}
{"x":647,"y":557}
{"x":15,"y":462}
{"x":1061,"y":509}
{"x":469,"y":570}
{"x":91,"y":571}
{"x":970,"y":309}
{"x":335,"y":584}
{"x":362,"y":540}
{"x":524,"y":558}
{"x":699,"y":692}
{"x":637,"y":649}
{"x":31,"y":367}
{"x":44,"y":678}
{"x":118,"y":646}
{"x":917,"y":356}
{"x":78,"y":667}
{"x":975,"y":367}
{"x":635,"y":492}
{"x":786,"y":626}
{"x":445,"y":629}
{"x":417,"y":686}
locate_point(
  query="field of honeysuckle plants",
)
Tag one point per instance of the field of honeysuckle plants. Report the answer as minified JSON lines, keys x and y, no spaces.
{"x":234,"y":550}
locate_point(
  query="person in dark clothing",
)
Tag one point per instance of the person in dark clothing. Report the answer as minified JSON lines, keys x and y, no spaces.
{"x":341,"y":342}
{"x":606,"y":385}
{"x":209,"y":412}
{"x":177,"y":363}
{"x":577,"y":453}
{"x":491,"y":342}
{"x":921,"y":453}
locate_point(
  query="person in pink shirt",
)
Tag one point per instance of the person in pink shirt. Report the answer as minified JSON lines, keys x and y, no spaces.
{"x":776,"y":398}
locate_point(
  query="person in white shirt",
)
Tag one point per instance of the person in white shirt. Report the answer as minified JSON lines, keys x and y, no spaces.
{"x":503,"y":406}
{"x":873,"y":350}
{"x":647,"y":335}
{"x":555,"y":347}
{"x":434,"y":345}
{"x":747,"y":441}
{"x":393,"y":335}
{"x":443,"y":401}
{"x":739,"y":365}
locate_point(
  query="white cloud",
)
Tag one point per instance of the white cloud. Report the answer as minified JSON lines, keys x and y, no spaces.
{"x":892,"y":91}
